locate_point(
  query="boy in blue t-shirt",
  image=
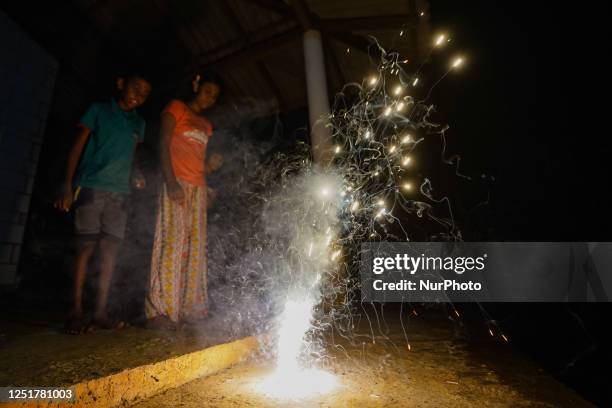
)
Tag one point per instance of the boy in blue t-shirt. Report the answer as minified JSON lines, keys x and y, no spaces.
{"x":103,"y":151}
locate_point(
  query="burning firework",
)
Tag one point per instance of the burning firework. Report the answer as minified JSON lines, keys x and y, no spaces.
{"x":307,"y":241}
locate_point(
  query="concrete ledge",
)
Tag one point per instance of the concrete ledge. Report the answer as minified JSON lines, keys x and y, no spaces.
{"x":130,"y":386}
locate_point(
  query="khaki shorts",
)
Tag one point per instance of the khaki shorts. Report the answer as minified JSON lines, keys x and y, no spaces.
{"x":99,"y":212}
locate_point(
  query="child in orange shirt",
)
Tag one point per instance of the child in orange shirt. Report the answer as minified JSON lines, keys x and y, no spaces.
{"x":178,"y":282}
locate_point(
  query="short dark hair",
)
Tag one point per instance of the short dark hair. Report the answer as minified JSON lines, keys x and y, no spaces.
{"x":185,"y":91}
{"x":210,"y":77}
{"x":135,"y":75}
{"x":130,"y":71}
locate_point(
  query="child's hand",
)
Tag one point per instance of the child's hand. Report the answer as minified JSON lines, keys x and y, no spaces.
{"x":175,"y":192}
{"x":139,"y":182}
{"x":65,"y":202}
{"x":214,"y":162}
{"x":211,"y":197}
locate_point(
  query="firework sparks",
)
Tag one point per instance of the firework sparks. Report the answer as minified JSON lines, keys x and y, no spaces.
{"x":314,"y":219}
{"x":291,"y":380}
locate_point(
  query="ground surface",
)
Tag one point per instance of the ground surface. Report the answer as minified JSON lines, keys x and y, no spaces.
{"x":441,"y":370}
{"x":39,"y":354}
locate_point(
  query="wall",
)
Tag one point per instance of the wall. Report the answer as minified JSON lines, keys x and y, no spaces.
{"x":27,"y":75}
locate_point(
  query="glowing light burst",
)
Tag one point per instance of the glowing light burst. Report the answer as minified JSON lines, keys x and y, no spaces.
{"x":302,"y":214}
{"x":317,"y":219}
{"x":290,"y":380}
{"x":296,"y":385}
{"x":440,"y":40}
{"x":377,"y":166}
{"x":295,"y":321}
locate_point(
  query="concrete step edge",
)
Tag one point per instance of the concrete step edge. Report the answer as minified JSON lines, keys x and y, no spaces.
{"x":133,"y":385}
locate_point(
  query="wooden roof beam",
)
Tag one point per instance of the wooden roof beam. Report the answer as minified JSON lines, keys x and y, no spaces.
{"x":255,"y":50}
{"x":264,"y":71}
{"x":307,"y":19}
{"x":231,"y":17}
{"x":367,"y":23}
{"x":261,"y":66}
{"x":267,"y":33}
{"x":275,"y":6}
{"x":357,"y":42}
{"x":333,"y":64}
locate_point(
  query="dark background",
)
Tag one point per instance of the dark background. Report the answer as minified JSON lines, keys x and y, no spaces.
{"x":513,"y":115}
{"x":513,"y":118}
{"x":516,"y":114}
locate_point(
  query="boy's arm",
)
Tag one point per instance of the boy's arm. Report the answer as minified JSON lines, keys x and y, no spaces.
{"x":138,"y":179}
{"x":166,"y":129}
{"x":65,"y":202}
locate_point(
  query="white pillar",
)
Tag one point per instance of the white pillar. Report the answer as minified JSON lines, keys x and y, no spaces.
{"x":318,"y":103}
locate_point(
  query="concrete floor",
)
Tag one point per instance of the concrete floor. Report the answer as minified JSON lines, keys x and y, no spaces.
{"x":40,"y":354}
{"x":440,"y":370}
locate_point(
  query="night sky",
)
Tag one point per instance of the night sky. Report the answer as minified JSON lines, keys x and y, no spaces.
{"x":511,"y":116}
{"x":515,"y":114}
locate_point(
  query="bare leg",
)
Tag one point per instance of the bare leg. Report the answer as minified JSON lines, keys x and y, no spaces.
{"x":84,"y":252}
{"x":74,"y":323}
{"x":108,"y":254}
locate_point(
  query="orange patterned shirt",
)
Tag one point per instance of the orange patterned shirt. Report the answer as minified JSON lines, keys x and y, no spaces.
{"x":188,"y":143}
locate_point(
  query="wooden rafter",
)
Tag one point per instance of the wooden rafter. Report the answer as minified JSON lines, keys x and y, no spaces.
{"x":275,"y":6}
{"x":338,"y":28}
{"x":254,"y":47}
{"x":231,"y":17}
{"x":267,"y":33}
{"x":367,"y":23}
{"x":357,"y":42}
{"x":307,"y":19}
{"x":264,"y":71}
{"x":333,"y":64}
{"x":255,"y":50}
{"x":244,"y":35}
{"x":310,"y":20}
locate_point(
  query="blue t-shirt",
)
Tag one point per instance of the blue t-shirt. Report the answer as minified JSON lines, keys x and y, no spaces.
{"x":106,"y":162}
